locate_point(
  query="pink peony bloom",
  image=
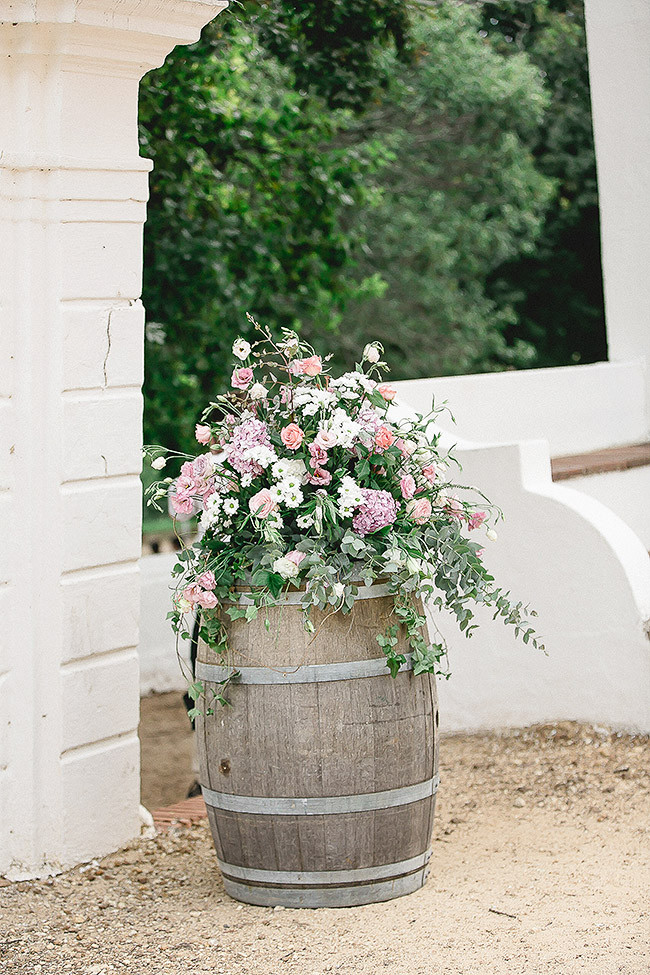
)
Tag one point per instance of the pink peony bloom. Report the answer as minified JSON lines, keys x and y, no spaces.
{"x":296,"y":557}
{"x":379,"y":509}
{"x":419,"y":510}
{"x":207,"y":580}
{"x":262,"y":504}
{"x":325,"y":439}
{"x":292,"y":436}
{"x":318,"y":455}
{"x":320,"y":477}
{"x":388,"y":392}
{"x":202,"y":433}
{"x":384,"y":438}
{"x":407,"y":486}
{"x":207,"y":600}
{"x":242,"y":378}
{"x":430,"y":473}
{"x":476,"y":519}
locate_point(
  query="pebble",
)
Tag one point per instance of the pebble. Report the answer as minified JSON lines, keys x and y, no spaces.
{"x":519,"y":802}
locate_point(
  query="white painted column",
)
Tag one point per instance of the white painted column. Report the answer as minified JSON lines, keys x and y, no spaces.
{"x":618,"y":41}
{"x":73,"y":191}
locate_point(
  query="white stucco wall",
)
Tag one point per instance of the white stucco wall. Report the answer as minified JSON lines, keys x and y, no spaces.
{"x":575,"y":408}
{"x":618,"y":43}
{"x":73,"y":192}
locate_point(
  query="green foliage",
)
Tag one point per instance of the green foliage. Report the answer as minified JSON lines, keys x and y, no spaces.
{"x":557,"y":291}
{"x":460,"y":196}
{"x":247,"y":195}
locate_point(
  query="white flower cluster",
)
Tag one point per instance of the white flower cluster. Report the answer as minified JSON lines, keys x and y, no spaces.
{"x":352,"y":385}
{"x":290,"y":474}
{"x":345,"y":429}
{"x":261,"y":454}
{"x":350,"y":496}
{"x":311,"y":400}
{"x":218,"y":510}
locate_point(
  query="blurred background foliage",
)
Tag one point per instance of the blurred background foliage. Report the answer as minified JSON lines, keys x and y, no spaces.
{"x":417,"y":171}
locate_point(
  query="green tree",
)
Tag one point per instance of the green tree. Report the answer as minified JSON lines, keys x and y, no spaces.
{"x":460,"y":197}
{"x":557,"y":291}
{"x":247,"y":195}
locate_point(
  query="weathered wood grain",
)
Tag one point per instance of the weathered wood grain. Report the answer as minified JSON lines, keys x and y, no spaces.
{"x":309,"y":740}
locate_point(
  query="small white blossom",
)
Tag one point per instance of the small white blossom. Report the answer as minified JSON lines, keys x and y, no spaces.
{"x":305,"y":521}
{"x":289,"y":467}
{"x":246,"y":480}
{"x":371,"y":353}
{"x":230,"y":506}
{"x":257,"y":391}
{"x":293,"y":497}
{"x":339,"y":589}
{"x":286,"y":568}
{"x":491,"y":534}
{"x":241,"y":349}
{"x":158,"y":463}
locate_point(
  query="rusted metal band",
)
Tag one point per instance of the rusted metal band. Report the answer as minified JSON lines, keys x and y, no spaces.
{"x":309,"y":878}
{"x":321,"y":805}
{"x":307,"y":674}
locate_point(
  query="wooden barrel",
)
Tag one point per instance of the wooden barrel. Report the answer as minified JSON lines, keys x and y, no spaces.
{"x":320,"y":780}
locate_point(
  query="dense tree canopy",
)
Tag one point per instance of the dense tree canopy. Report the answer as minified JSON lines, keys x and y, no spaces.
{"x":421,"y":173}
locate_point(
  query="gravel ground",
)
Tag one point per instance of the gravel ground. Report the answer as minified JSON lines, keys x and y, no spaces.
{"x":541,"y":863}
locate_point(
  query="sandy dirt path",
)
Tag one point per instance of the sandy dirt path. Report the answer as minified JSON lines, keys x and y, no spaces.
{"x":541,"y":864}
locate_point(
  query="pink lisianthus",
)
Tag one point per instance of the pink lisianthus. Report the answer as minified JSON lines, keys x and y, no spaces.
{"x":192,"y":593}
{"x":476,"y":519}
{"x":296,"y":557}
{"x":292,"y":436}
{"x":379,"y":509}
{"x":407,"y":486}
{"x":183,"y":504}
{"x":202,"y":433}
{"x":320,"y":477}
{"x":313,"y":366}
{"x":453,"y":506}
{"x":207,"y":580}
{"x":241,"y":378}
{"x":419,"y":510}
{"x":318,"y":455}
{"x":325,"y":439}
{"x":387,"y":392}
{"x":262,"y":503}
{"x":430,"y":473}
{"x":207,"y":600}
{"x":384,"y":438}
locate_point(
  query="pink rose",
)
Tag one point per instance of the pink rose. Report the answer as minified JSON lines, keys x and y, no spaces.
{"x":262,"y":504}
{"x":296,"y":557}
{"x":384,"y":438}
{"x":388,"y":392}
{"x":242,"y":378}
{"x":476,"y":519}
{"x":207,"y":580}
{"x":319,"y":476}
{"x":318,"y":455}
{"x":419,"y":510}
{"x":325,"y":439}
{"x":292,"y":436}
{"x":430,"y":473}
{"x":407,"y":486}
{"x":207,"y":600}
{"x":202,"y":433}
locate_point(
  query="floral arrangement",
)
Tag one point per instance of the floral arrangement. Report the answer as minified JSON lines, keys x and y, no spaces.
{"x":318,"y":483}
